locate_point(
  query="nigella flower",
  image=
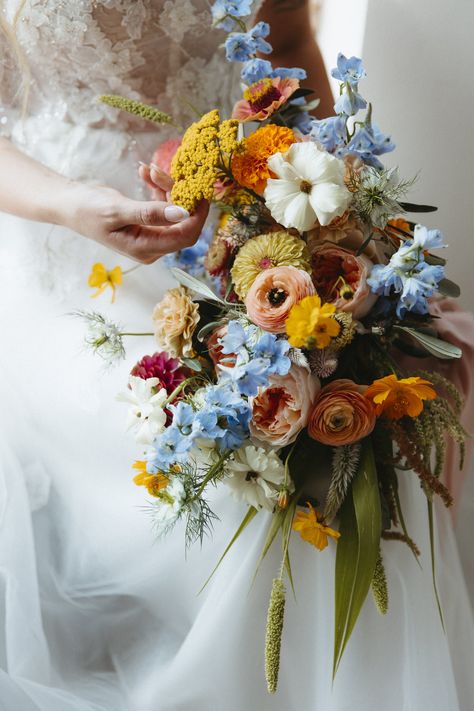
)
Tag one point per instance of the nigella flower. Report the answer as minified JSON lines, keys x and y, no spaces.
{"x":103,"y":337}
{"x":169,"y":506}
{"x":349,"y":70}
{"x":242,"y":46}
{"x":224,"y":12}
{"x":330,"y":132}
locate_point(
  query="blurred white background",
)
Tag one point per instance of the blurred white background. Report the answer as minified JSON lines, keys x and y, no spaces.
{"x":420,"y":66}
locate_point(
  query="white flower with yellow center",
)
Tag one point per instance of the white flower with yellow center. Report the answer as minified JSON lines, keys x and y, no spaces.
{"x":256,"y":475}
{"x":309,"y":187}
{"x":146,"y":414}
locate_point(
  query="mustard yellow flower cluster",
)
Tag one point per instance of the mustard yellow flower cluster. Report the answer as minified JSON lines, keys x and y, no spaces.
{"x":196,"y":165}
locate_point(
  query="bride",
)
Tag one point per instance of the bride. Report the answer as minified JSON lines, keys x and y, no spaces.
{"x":96,"y":615}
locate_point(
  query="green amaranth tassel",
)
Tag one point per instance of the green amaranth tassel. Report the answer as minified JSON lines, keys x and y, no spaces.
{"x":136,"y":108}
{"x":275,"y":618}
{"x":379,"y":586}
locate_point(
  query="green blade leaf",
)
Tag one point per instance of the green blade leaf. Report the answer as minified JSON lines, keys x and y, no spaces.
{"x":438,"y":348}
{"x":276,"y":522}
{"x":449,"y":288}
{"x":251,"y":513}
{"x":357,"y":549}
{"x":195,"y":285}
{"x":433,"y":561}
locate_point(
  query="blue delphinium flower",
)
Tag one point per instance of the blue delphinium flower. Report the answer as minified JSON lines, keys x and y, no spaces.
{"x":223,"y":12}
{"x":242,"y":46}
{"x":235,"y":339}
{"x":248,"y":377}
{"x":368,"y":142}
{"x":274,"y":351}
{"x":330,"y":132}
{"x":171,"y":447}
{"x":349,"y":70}
{"x":427,"y":239}
{"x":349,"y":102}
{"x":224,"y":416}
{"x":183,"y":417}
{"x":258,"y":69}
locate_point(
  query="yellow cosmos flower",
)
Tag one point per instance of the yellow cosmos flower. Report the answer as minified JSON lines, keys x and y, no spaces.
{"x":153,"y":483}
{"x":276,"y":249}
{"x":312,"y":530}
{"x":100,"y":278}
{"x":311,"y":324}
{"x":396,"y":398}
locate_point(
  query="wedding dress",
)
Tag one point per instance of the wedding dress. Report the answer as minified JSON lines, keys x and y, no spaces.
{"x":95,"y":615}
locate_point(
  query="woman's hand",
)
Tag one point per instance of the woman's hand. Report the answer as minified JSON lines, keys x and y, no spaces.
{"x":141,"y":230}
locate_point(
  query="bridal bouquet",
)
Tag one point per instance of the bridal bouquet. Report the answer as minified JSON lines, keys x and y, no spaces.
{"x":278,"y":369}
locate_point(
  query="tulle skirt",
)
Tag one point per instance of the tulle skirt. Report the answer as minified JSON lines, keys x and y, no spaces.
{"x":97,"y":615}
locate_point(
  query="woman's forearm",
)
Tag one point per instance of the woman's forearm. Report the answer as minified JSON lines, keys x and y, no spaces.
{"x":29,"y":189}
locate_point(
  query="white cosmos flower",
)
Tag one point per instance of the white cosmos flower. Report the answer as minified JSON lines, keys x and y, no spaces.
{"x":256,"y":476}
{"x":309,"y":188}
{"x":146,"y":414}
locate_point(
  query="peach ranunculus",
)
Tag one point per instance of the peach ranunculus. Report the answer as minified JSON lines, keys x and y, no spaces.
{"x":176,"y":317}
{"x":341,"y":414}
{"x":263,"y":98}
{"x":340,"y":278}
{"x":281,"y":409}
{"x":274,"y":293}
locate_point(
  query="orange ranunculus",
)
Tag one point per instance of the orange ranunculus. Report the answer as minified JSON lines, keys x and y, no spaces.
{"x":250,"y":161}
{"x":341,"y":414}
{"x":396,"y":398}
{"x":312,"y":530}
{"x":274,"y":293}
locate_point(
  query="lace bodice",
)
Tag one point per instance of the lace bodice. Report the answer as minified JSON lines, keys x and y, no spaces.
{"x":160,"y":51}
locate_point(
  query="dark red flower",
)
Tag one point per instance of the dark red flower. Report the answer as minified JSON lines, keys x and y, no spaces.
{"x":160,"y":365}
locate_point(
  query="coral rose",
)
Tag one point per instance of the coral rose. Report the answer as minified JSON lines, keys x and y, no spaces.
{"x":176,"y":316}
{"x":281,"y":410}
{"x":341,"y":414}
{"x":340,"y":278}
{"x":274,"y":293}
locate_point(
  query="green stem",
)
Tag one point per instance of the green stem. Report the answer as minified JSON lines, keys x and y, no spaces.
{"x":132,"y":269}
{"x":212,"y":472}
{"x":136,"y":334}
{"x":177,"y":390}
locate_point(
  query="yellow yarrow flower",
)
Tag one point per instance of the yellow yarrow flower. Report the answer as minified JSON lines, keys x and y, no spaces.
{"x":311,"y":324}
{"x":154,"y":483}
{"x":197,"y":163}
{"x":312,"y":530}
{"x":100,"y":278}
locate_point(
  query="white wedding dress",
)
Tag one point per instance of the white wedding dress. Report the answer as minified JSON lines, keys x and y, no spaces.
{"x":95,"y":615}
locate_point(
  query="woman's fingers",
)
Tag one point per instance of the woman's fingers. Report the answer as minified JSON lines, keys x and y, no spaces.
{"x":152,"y":213}
{"x":160,"y":179}
{"x":156,"y":192}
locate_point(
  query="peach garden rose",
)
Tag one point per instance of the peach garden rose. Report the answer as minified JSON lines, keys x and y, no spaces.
{"x":281,"y":410}
{"x":274,"y":293}
{"x":341,"y":414}
{"x":175,"y":318}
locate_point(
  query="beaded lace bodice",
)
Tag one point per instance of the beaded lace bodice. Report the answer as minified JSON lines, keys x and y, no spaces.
{"x":160,"y":51}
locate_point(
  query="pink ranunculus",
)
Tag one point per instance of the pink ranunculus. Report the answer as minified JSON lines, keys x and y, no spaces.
{"x":164,"y":154}
{"x":281,"y":410}
{"x":274,"y":293}
{"x":340,"y":278}
{"x":263,"y":98}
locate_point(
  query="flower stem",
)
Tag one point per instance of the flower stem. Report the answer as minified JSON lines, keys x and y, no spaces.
{"x":136,"y":334}
{"x":212,"y":472}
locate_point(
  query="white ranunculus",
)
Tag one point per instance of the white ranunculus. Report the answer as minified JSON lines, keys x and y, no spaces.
{"x":309,"y":187}
{"x":256,"y":475}
{"x":146,"y":415}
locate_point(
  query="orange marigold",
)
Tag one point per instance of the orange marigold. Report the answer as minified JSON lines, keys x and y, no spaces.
{"x":396,"y":398}
{"x":249,"y":163}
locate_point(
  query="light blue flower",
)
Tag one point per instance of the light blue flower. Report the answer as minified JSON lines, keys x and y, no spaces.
{"x":243,"y":46}
{"x":223,"y":12}
{"x":274,"y":350}
{"x":384,"y":278}
{"x":414,"y":285}
{"x":171,"y":447}
{"x":427,"y":239}
{"x":349,"y":102}
{"x":289,"y":73}
{"x":235,"y":338}
{"x":191,"y":259}
{"x":349,"y":70}
{"x":224,"y":416}
{"x":369,"y":142}
{"x":183,"y":417}
{"x":258,"y":69}
{"x":249,"y":376}
{"x":330,"y":132}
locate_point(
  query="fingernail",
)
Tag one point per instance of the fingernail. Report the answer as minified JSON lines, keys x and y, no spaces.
{"x":140,"y":162}
{"x":159,"y":170}
{"x":173,"y":213}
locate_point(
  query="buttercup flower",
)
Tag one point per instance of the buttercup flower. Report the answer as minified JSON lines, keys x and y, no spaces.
{"x":263,"y":98}
{"x":250,"y":161}
{"x":195,"y":167}
{"x":176,"y":317}
{"x":146,"y":414}
{"x":309,"y":187}
{"x":256,"y":476}
{"x":311,"y":324}
{"x":100,"y":278}
{"x":281,"y":410}
{"x":396,"y":398}
{"x":341,"y":278}
{"x":277,"y":249}
{"x":274,"y":293}
{"x":153,"y":483}
{"x":312,"y":530}
{"x":341,"y":414}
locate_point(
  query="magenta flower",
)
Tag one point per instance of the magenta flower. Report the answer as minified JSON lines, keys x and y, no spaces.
{"x":160,"y":365}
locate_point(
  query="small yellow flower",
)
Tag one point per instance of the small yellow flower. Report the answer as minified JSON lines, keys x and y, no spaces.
{"x":100,"y":279}
{"x":396,"y":398}
{"x":311,"y":324}
{"x":312,"y":530}
{"x":154,"y":483}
